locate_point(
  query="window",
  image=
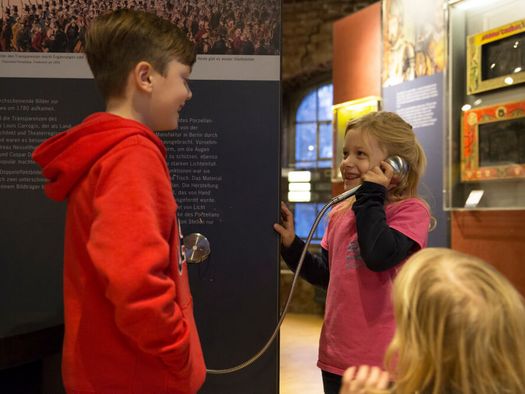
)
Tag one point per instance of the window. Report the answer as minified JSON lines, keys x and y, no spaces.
{"x":313,"y":129}
{"x":313,"y":151}
{"x":304,"y":217}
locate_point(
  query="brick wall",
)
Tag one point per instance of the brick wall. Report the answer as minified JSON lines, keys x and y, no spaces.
{"x":307,"y":37}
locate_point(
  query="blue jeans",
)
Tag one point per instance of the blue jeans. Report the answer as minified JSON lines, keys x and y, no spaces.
{"x":331,"y":382}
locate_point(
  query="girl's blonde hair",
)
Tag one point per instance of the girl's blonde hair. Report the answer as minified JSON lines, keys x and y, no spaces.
{"x":460,"y":327}
{"x":396,"y":137}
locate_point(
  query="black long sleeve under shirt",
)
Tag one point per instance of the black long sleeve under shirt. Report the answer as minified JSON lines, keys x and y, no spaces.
{"x":315,"y":267}
{"x":381,"y":246}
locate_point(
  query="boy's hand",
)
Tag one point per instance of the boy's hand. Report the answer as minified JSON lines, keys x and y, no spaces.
{"x":286,"y":230}
{"x":364,"y":380}
{"x":381,"y":174}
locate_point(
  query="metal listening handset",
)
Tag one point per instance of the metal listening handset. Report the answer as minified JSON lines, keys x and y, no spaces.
{"x":197,"y":249}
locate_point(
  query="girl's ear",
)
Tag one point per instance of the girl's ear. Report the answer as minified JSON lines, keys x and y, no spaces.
{"x":143,"y":76}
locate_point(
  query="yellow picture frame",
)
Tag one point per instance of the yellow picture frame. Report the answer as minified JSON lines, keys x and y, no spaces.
{"x":489,"y":51}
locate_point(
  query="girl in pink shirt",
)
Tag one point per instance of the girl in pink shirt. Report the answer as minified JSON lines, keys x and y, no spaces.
{"x":367,"y":239}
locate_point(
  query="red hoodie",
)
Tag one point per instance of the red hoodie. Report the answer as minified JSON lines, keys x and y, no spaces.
{"x":129,"y":324}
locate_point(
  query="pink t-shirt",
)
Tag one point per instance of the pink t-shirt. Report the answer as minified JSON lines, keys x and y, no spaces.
{"x":359,"y":318}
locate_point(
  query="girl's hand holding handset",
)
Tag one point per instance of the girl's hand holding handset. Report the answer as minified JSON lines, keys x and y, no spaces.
{"x":381,"y":175}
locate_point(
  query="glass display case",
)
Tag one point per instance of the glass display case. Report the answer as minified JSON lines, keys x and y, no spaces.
{"x":485,"y":150}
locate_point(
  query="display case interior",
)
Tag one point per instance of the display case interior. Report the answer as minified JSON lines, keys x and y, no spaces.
{"x":485,"y":150}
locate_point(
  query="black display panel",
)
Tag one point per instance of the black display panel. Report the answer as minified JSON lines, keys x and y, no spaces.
{"x":224,"y":162}
{"x":31,"y":246}
{"x":227,"y":187}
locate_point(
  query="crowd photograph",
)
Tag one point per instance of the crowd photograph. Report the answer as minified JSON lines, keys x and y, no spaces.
{"x":218,"y":27}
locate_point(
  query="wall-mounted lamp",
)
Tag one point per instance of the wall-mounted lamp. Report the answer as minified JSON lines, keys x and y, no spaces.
{"x":299,"y":186}
{"x":299,"y":176}
{"x":299,"y":196}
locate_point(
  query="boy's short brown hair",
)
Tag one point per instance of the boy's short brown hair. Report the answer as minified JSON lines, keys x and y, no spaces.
{"x":117,"y":41}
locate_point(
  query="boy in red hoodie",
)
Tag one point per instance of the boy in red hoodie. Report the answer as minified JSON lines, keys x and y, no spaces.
{"x":129,"y":325}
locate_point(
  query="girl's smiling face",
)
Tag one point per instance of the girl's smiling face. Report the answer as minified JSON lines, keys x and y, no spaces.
{"x":361,"y":152}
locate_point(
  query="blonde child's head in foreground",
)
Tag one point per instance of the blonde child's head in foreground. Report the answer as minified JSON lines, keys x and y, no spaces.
{"x":141,"y":64}
{"x":375,"y":137}
{"x":460,"y":327}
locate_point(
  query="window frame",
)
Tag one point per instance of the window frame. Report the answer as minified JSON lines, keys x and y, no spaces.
{"x":312,"y":164}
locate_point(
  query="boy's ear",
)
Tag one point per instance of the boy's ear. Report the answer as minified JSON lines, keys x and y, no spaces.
{"x":142,"y":75}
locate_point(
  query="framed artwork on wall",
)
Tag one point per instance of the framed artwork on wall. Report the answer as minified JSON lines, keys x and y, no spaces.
{"x":496,"y":58}
{"x":343,"y":113}
{"x":493,"y":142}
